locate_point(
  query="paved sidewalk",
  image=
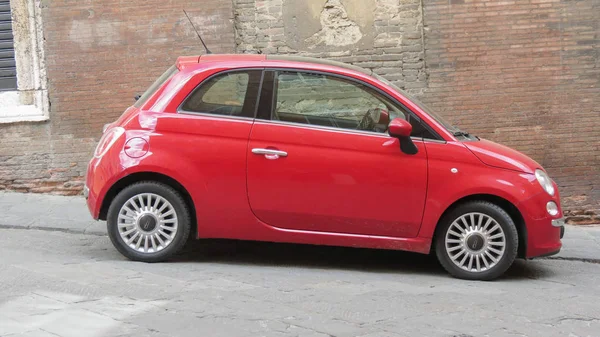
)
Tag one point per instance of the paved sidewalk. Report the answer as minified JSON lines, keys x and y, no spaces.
{"x":70,"y":214}
{"x":51,"y":212}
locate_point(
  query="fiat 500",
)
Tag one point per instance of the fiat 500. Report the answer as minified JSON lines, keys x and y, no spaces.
{"x":310,"y":151}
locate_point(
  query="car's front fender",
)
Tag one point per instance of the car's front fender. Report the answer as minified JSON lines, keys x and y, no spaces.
{"x":455,"y":174}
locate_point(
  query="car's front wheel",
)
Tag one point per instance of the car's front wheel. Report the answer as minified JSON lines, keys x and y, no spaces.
{"x":148,"y":221}
{"x":477,"y":240}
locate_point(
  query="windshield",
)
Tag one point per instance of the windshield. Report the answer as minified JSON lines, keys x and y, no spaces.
{"x":152,"y":89}
{"x":421,"y":105}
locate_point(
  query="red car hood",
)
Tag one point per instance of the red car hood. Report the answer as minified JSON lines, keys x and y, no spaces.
{"x":501,"y":156}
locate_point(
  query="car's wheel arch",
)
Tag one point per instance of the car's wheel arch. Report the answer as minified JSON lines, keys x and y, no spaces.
{"x":503,"y":203}
{"x":136,"y":177}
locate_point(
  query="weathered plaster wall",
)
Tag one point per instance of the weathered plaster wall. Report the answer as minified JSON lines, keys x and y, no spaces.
{"x":384,"y":35}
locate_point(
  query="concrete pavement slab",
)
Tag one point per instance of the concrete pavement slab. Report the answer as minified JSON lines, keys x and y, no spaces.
{"x":289,"y":290}
{"x":96,"y":228}
{"x":45,"y":211}
{"x":581,"y":242}
{"x":34,"y":333}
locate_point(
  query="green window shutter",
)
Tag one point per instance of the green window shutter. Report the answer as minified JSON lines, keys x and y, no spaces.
{"x":8,"y":69}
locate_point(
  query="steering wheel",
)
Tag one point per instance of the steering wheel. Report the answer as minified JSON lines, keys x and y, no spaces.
{"x":367,"y":122}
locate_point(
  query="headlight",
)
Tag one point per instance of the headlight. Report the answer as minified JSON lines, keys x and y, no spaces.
{"x":545,"y":181}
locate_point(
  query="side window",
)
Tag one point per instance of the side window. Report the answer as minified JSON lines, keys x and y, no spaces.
{"x":330,"y":101}
{"x":229,"y":94}
{"x":419,"y":129}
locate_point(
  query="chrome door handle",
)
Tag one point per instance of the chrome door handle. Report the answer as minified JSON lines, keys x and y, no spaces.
{"x":270,"y":154}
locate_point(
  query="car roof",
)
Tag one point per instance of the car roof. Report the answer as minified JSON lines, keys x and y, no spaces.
{"x":190,"y":60}
{"x":314,"y":60}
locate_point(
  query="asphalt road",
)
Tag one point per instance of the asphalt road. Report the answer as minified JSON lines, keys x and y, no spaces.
{"x":65,"y":284}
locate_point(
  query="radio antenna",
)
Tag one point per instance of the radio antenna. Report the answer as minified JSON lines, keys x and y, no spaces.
{"x":196,"y":30}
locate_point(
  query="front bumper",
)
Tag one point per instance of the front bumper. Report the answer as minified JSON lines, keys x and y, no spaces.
{"x":558,"y":222}
{"x":561,"y":224}
{"x":543,"y":237}
{"x":544,"y":232}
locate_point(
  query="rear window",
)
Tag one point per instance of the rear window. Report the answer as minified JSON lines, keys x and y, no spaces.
{"x":154,"y":87}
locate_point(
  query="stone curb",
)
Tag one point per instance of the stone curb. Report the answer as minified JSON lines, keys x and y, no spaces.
{"x":50,"y":229}
{"x":579,"y":259}
{"x":100,"y":230}
{"x":86,"y":231}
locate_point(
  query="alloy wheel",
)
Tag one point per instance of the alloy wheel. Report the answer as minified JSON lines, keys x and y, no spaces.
{"x":147,"y":223}
{"x":475,"y":242}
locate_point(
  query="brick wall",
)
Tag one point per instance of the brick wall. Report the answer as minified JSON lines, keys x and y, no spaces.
{"x":99,"y":55}
{"x":525,"y":73}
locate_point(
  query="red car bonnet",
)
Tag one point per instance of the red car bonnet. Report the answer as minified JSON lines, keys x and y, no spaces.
{"x":501,"y":156}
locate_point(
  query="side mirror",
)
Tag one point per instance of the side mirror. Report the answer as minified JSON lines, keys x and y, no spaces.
{"x":401,"y":129}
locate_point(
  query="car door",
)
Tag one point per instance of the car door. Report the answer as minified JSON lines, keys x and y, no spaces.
{"x":324,"y":162}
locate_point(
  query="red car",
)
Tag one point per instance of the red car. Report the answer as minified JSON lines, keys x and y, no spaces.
{"x":303,"y":150}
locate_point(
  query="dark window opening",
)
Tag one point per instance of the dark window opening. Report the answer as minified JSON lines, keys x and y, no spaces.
{"x":419,"y":129}
{"x":8,"y":68}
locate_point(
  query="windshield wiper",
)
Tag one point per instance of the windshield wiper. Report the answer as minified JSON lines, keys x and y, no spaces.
{"x":461,"y":133}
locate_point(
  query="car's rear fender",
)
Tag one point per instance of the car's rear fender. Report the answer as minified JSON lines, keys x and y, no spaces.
{"x":150,"y":170}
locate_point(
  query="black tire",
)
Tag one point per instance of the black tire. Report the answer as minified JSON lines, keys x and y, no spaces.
{"x":496,"y":213}
{"x":181,"y":210}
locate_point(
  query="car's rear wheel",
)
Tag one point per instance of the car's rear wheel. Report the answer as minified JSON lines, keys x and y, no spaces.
{"x":148,"y":221}
{"x":477,"y":240}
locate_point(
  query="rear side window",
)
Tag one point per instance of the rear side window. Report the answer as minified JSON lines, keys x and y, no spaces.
{"x":167,"y":75}
{"x":229,"y":94}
